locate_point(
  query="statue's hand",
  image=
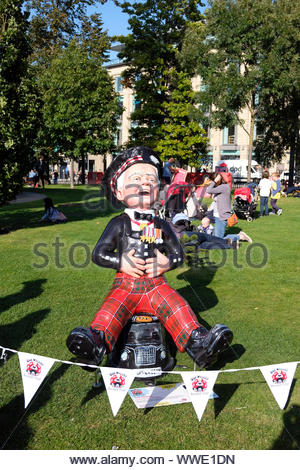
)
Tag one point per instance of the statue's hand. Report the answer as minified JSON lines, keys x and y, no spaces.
{"x":131,"y":265}
{"x":157,"y":266}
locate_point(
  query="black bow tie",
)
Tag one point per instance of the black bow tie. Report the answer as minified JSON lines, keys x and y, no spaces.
{"x":141,"y":216}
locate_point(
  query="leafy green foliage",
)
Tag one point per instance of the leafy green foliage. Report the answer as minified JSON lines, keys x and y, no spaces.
{"x":54,"y":24}
{"x":279,"y":115}
{"x":248,"y":57}
{"x":80,"y":108}
{"x":150,"y":51}
{"x":19,"y":104}
{"x":181,"y":134}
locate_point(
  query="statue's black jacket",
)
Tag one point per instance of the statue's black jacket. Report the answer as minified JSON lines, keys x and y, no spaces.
{"x":118,"y":238}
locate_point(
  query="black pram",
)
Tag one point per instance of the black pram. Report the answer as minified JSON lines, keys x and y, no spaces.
{"x":244,"y":204}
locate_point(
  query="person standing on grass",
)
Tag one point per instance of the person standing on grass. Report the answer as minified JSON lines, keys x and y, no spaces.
{"x":41,"y":169}
{"x":264,"y":193}
{"x":275,"y":194}
{"x":168,"y":170}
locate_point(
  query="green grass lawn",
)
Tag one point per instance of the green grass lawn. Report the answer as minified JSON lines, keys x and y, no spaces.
{"x":49,"y":286}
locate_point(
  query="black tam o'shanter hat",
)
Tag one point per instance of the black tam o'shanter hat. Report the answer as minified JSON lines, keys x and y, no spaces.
{"x":123,"y":161}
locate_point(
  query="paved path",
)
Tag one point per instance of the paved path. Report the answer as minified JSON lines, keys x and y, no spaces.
{"x":27,"y":196}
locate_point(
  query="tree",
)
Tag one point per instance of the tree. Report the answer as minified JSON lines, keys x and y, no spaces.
{"x":52,"y":28}
{"x":19,"y":105}
{"x":181,"y":135}
{"x":55,"y":23}
{"x":235,"y":54}
{"x":80,"y":108}
{"x":280,"y":109}
{"x":150,"y":51}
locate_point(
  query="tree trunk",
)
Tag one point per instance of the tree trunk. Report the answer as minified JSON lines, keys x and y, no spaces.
{"x":251,"y":134}
{"x":293,"y":151}
{"x":83,"y":170}
{"x":292,"y":161}
{"x":72,"y":174}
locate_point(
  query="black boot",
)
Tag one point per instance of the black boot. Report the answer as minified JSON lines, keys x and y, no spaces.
{"x":87,"y":345}
{"x":204,"y":346}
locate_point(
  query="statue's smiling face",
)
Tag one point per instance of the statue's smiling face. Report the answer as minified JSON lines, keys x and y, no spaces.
{"x":138,"y":186}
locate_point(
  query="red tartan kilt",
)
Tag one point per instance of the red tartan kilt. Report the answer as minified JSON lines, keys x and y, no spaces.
{"x":129,"y":296}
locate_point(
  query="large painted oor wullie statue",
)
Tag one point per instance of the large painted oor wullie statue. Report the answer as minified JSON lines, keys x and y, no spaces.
{"x":141,"y":248}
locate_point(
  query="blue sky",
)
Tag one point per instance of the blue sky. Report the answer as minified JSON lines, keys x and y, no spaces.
{"x":115,"y":21}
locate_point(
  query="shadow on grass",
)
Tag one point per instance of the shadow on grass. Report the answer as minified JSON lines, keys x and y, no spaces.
{"x":15,"y":433}
{"x":30,"y":290}
{"x":15,"y":334}
{"x":224,"y":392}
{"x":289,"y":438}
{"x":202,"y":298}
{"x":232,"y":354}
{"x":97,"y":387}
{"x":78,"y":204}
{"x":198,"y":295}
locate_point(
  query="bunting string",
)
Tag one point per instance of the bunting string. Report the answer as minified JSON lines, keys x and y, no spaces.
{"x":165,"y":372}
{"x":198,"y":384}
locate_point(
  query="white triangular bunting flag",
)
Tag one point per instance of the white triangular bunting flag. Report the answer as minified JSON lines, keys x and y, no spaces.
{"x":199,"y":386}
{"x":279,"y":377}
{"x":117,"y":383}
{"x":33,"y":370}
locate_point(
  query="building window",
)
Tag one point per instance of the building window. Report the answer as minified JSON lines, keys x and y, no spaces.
{"x":136,"y":103}
{"x":229,"y":156}
{"x":118,"y":137}
{"x":258,"y":133}
{"x":91,"y":165}
{"x":118,"y":84}
{"x":120,"y":102}
{"x":229,"y":135}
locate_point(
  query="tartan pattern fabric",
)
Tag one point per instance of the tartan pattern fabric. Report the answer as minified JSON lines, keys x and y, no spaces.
{"x":126,"y":164}
{"x":129,"y":296}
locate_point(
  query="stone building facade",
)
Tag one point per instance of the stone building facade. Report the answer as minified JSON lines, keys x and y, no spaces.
{"x":225,"y":144}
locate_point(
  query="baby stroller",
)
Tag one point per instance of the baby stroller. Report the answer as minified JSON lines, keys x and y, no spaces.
{"x":175,"y":201}
{"x":244,"y":204}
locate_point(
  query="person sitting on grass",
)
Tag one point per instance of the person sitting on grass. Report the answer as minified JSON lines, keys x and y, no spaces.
{"x":292,"y":189}
{"x":51,"y":213}
{"x":220,"y":190}
{"x":206,"y":226}
{"x":181,"y":226}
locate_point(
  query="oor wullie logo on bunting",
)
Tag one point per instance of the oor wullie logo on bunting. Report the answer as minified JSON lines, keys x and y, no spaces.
{"x":279,"y":378}
{"x":199,"y":384}
{"x":117,"y":383}
{"x":34,"y":369}
{"x":117,"y":380}
{"x":199,"y":387}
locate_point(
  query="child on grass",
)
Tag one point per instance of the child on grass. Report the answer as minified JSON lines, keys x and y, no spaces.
{"x":51,"y":213}
{"x":206,"y":226}
{"x":275,"y":194}
{"x":264,"y":186}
